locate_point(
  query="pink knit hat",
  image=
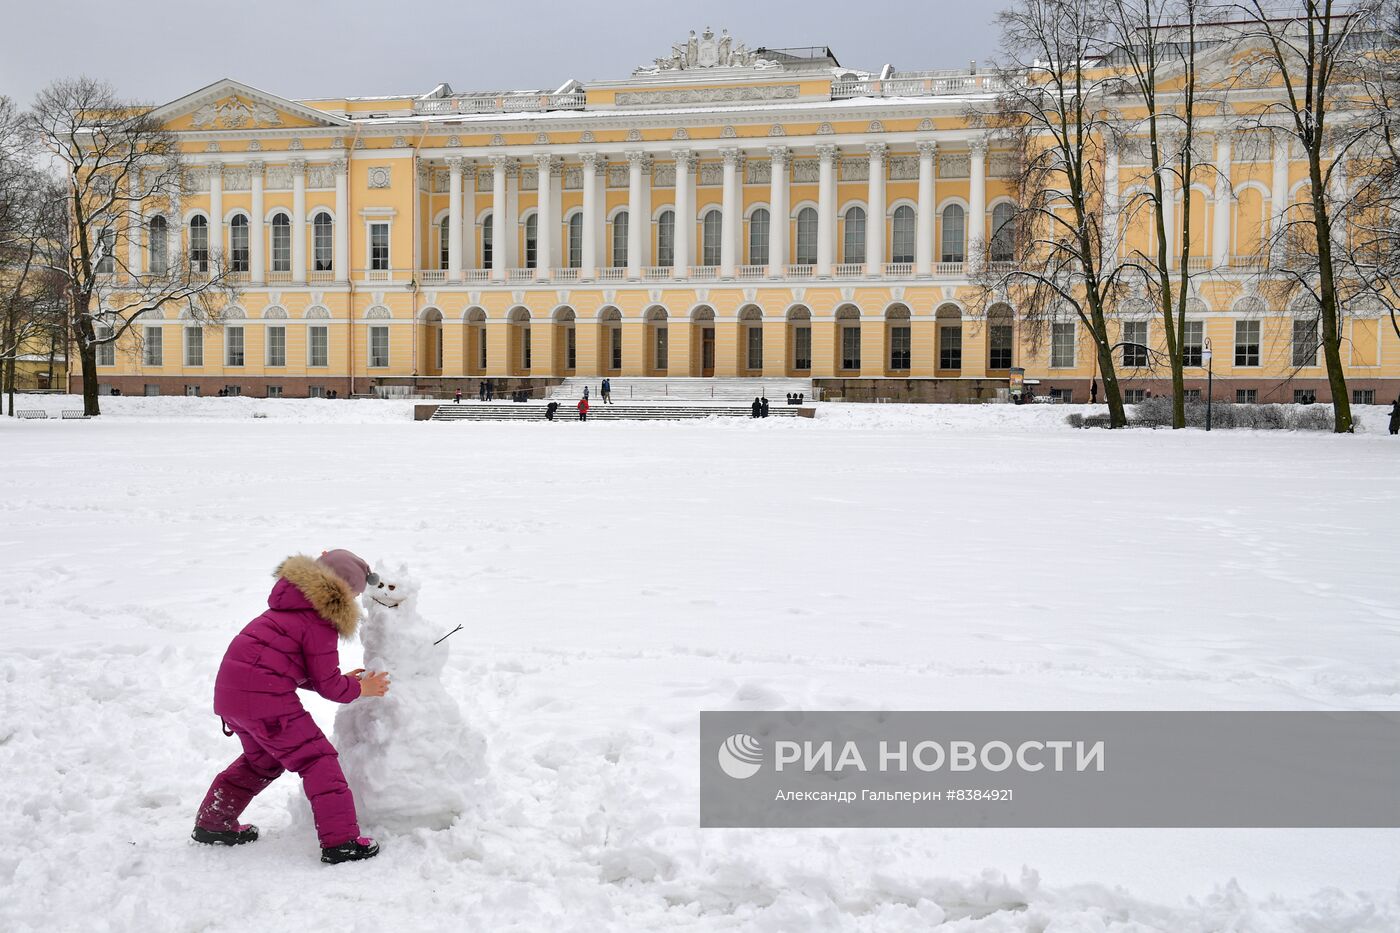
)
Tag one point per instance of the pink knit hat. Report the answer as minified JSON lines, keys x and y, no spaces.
{"x":347,"y":565}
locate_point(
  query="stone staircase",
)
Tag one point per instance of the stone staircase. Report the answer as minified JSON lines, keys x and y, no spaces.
{"x":534,"y":411}
{"x":703,"y":388}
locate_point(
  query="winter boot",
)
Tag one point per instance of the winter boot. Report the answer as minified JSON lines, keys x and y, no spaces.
{"x":352,"y":851}
{"x":225,"y":837}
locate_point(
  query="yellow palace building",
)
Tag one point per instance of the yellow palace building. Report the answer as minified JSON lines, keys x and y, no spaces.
{"x":724,"y":212}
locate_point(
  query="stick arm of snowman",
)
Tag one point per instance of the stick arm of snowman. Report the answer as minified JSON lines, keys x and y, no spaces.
{"x":447,"y":636}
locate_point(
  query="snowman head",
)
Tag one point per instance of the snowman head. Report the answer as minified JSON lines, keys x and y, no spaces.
{"x":392,"y":589}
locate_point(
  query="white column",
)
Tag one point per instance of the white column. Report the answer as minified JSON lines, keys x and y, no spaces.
{"x":1169,"y":218}
{"x":1108,"y":241}
{"x":977,"y":205}
{"x":778,"y":157}
{"x":174,"y":239}
{"x":1278,"y":192}
{"x":545,"y":224}
{"x":133,"y":225}
{"x":729,"y":219}
{"x":1224,"y":201}
{"x":499,"y":231}
{"x":469,"y":239}
{"x":340,"y":257}
{"x":454,"y":219}
{"x":826,"y":210}
{"x":257,"y":266}
{"x":299,"y":221}
{"x":590,"y":215}
{"x":637,"y":224}
{"x":513,"y":244}
{"x":923,"y":234}
{"x":685,"y":211}
{"x":875,"y":211}
{"x":216,"y":212}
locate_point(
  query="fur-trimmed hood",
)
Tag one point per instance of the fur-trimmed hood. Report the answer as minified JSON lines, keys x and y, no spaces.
{"x":329,"y":595}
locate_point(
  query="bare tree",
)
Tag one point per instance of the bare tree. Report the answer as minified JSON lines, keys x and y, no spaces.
{"x":1154,"y":45}
{"x":1308,"y":56}
{"x":1055,"y":113}
{"x":118,"y":165}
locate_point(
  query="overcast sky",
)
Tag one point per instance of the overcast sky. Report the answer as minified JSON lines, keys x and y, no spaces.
{"x":158,"y":50}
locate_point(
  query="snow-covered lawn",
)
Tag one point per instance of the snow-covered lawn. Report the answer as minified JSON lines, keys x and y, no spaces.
{"x":616,"y":578}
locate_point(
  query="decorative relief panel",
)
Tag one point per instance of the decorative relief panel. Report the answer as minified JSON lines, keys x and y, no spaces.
{"x":529,"y":179}
{"x":254,"y":146}
{"x":777,"y":130}
{"x":728,"y":132}
{"x":710,"y":173}
{"x":379,"y":176}
{"x":320,"y":176}
{"x":806,"y":170}
{"x":825,"y":130}
{"x":953,"y":165}
{"x":542,"y":138}
{"x":442,"y":183}
{"x":573,"y":178}
{"x":903,"y":168}
{"x":279,"y":178}
{"x":1001,"y":165}
{"x":235,"y":113}
{"x":1252,"y":147}
{"x":212,"y":147}
{"x":681,"y":133}
{"x":855,"y":169}
{"x":498,"y":140}
{"x":295,"y":144}
{"x":587,"y":137}
{"x":400,"y":142}
{"x":876,"y":127}
{"x":236,"y":178}
{"x":454,"y":140}
{"x":760,"y":172}
{"x":664,"y":175}
{"x":925,"y":124}
{"x":634,"y":136}
{"x":617,"y":176}
{"x":710,"y":95}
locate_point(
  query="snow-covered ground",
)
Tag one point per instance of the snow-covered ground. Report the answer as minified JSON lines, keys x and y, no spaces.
{"x":616,"y":578}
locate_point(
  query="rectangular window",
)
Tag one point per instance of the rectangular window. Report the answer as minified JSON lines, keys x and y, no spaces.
{"x":666,"y":240}
{"x":233,"y":346}
{"x":755,"y":348}
{"x":323,"y":243}
{"x":153,"y":348}
{"x":570,"y":350}
{"x":615,"y":339}
{"x":1193,"y":395}
{"x":1246,"y":396}
{"x":1193,"y":343}
{"x":999,"y":345}
{"x":379,"y":247}
{"x":525,"y":348}
{"x":1062,"y":340}
{"x":436,"y":336}
{"x":1246,"y":343}
{"x":1305,"y":342}
{"x":281,"y":244}
{"x":481,"y":348}
{"x":192,"y":391}
{"x":1134,"y":340}
{"x":619,"y":240}
{"x":107,"y":349}
{"x":1363,"y":396}
{"x":233,"y":391}
{"x":379,"y":346}
{"x":807,"y":237}
{"x":950,"y":346}
{"x":1301,"y":396}
{"x":277,"y":345}
{"x":532,"y":246}
{"x":576,"y":241}
{"x":315,"y":391}
{"x":194,"y":346}
{"x":152,"y":390}
{"x":802,"y":348}
{"x":199,"y":245}
{"x":1133,"y":396}
{"x":900,"y":347}
{"x":318,"y":351}
{"x":274,"y":391}
{"x":1062,"y":395}
{"x":710,"y":233}
{"x":662,"y":348}
{"x":758,"y":238}
{"x":850,"y":348}
{"x":238,"y":242}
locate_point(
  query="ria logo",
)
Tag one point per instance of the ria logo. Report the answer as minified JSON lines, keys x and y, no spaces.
{"x":741,"y":756}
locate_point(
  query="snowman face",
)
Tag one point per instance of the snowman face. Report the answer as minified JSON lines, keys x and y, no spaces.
{"x":387,"y":594}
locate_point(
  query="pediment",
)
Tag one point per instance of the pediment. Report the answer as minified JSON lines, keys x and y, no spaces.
{"x":233,"y":106}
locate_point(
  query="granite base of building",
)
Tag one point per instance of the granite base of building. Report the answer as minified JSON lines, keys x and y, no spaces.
{"x":894,"y":389}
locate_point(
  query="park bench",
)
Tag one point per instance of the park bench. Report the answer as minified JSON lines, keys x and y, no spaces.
{"x":32,"y":413}
{"x":74,"y":414}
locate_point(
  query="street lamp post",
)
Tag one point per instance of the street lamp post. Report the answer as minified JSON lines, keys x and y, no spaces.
{"x":1210,"y":378}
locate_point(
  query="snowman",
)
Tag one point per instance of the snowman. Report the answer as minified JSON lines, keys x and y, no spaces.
{"x":409,"y":757}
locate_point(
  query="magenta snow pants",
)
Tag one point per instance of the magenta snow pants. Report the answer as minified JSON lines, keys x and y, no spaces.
{"x":270,"y":746}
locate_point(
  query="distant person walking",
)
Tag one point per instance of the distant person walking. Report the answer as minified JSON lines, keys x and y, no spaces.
{"x":585,"y":391}
{"x":457,"y":397}
{"x":481,"y":390}
{"x":1395,"y":417}
{"x":607,"y":391}
{"x":550,"y":409}
{"x":757,"y":408}
{"x":583,"y":408}
{"x":764,"y":406}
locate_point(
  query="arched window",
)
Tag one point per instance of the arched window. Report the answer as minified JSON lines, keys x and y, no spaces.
{"x":199,"y":244}
{"x":281,"y":243}
{"x":853,"y":248}
{"x":666,"y":240}
{"x":758,"y":237}
{"x":902,"y":244}
{"x":807,"y":237}
{"x":532,"y":243}
{"x":488,"y":241}
{"x":444,"y":242}
{"x":322,"y":242}
{"x":576,"y":241}
{"x":157,"y":242}
{"x":710,"y":235}
{"x":953,"y":234}
{"x":238,"y":243}
{"x":1001,"y":232}
{"x":619,"y":239}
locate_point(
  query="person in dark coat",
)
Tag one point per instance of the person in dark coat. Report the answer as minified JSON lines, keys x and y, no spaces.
{"x":585,"y":391}
{"x":457,"y":397}
{"x":757,"y":408}
{"x":1094,"y":392}
{"x":607,"y":391}
{"x":583,"y":408}
{"x":763,"y":408}
{"x":1395,"y":417}
{"x":549,"y":410}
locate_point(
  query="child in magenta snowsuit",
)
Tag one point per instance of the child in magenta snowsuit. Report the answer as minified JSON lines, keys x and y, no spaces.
{"x":292,"y":646}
